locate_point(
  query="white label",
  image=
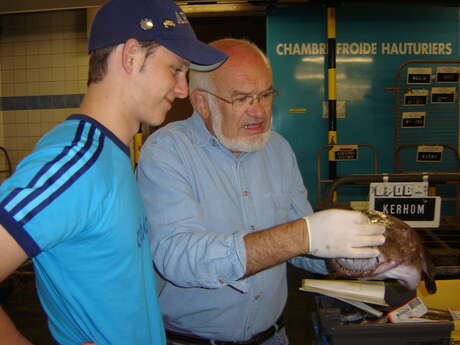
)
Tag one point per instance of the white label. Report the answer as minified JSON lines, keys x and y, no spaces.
{"x":415,"y":308}
{"x":398,"y":189}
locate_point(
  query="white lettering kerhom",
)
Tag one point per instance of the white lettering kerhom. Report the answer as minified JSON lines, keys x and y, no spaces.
{"x":403,"y":209}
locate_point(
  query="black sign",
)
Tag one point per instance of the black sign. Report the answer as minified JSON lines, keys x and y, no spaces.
{"x":419,"y":78}
{"x":429,"y":156}
{"x":442,"y":98}
{"x":447,"y":77}
{"x":346,"y":155}
{"x":413,"y":122}
{"x":415,"y":100}
{"x":408,"y":209}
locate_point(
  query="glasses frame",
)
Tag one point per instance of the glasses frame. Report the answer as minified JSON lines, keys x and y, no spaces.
{"x":273,"y":92}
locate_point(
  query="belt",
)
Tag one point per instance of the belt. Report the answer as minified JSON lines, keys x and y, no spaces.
{"x":255,"y":340}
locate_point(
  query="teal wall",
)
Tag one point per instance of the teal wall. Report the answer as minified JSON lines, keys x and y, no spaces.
{"x":379,"y":40}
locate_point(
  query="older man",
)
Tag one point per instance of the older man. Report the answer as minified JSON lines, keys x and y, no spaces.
{"x":226,"y":204}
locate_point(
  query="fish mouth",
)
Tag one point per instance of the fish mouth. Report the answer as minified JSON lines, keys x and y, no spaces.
{"x":357,"y":267}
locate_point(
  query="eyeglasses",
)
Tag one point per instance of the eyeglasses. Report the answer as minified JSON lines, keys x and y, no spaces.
{"x":265,"y":99}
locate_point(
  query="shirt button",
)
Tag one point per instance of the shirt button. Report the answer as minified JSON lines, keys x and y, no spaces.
{"x":252,"y":227}
{"x":245,"y":193}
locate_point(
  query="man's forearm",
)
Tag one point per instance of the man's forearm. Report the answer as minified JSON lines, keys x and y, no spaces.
{"x":272,"y":246}
{"x":9,"y":335}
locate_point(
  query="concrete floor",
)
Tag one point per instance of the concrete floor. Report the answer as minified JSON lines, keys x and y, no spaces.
{"x":23,"y":307}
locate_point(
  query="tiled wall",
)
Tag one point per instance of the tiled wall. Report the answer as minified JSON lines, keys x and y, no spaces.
{"x":43,"y":73}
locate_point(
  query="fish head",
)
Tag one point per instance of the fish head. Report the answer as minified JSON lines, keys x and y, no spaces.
{"x":402,"y":257}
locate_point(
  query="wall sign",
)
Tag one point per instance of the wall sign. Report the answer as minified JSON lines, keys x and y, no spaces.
{"x":442,"y":95}
{"x":413,"y":119}
{"x":447,"y":74}
{"x":429,"y":153}
{"x":419,"y":75}
{"x":416,"y":97}
{"x":344,"y":152}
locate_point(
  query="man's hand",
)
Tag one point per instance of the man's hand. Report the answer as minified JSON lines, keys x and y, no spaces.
{"x":343,"y":233}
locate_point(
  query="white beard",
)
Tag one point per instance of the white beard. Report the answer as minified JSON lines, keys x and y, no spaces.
{"x":249,"y":144}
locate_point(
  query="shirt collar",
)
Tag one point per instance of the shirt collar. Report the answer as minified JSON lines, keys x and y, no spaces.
{"x":201,"y":135}
{"x":105,"y":130}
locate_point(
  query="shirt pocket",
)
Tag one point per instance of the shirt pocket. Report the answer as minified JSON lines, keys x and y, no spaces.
{"x":282,"y":205}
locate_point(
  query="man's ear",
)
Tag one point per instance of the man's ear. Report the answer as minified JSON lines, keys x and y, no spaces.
{"x":200,"y":103}
{"x":131,"y":55}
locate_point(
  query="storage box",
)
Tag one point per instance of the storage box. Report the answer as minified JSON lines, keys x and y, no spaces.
{"x":331,"y":330}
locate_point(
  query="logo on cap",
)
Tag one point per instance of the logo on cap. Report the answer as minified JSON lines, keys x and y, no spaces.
{"x":181,"y":18}
{"x":146,"y":24}
{"x":168,"y":24}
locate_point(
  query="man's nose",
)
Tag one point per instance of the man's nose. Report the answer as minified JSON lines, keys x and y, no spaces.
{"x":256,"y":108}
{"x":181,"y":87}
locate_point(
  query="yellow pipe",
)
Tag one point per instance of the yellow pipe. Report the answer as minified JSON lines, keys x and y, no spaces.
{"x":332,"y":140}
{"x":332,"y":137}
{"x":332,"y":84}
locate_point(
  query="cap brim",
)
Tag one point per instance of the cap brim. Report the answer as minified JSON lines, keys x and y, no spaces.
{"x":206,"y":68}
{"x":202,"y":57}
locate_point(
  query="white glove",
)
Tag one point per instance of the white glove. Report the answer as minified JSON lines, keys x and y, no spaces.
{"x":343,"y":233}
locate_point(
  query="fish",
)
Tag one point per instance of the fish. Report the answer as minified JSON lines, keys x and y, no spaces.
{"x":402,"y":257}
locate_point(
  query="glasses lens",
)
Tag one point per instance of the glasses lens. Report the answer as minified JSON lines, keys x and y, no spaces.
{"x":275,"y":95}
{"x":242,"y":102}
{"x":265,"y":99}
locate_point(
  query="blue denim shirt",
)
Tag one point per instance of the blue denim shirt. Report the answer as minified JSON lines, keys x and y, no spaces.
{"x":201,"y":200}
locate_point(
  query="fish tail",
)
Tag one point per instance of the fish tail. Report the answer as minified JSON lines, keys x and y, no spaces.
{"x":428,"y":272}
{"x":430,"y":283}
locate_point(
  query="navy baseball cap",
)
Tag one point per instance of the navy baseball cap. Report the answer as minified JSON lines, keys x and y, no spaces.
{"x":161,"y":21}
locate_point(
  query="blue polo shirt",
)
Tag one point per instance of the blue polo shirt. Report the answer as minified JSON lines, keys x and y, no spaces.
{"x":73,"y":205}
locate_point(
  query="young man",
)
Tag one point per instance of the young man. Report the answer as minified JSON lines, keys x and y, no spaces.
{"x":226,"y":203}
{"x":73,"y":205}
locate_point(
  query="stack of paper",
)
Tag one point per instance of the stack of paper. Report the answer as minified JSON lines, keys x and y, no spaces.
{"x":356,"y":293}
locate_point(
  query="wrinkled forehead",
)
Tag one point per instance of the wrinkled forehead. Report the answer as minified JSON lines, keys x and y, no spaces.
{"x":243,"y":76}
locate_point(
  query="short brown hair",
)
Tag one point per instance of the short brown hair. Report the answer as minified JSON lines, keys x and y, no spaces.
{"x":98,"y":60}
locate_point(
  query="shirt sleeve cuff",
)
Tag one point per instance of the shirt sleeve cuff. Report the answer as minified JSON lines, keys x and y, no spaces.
{"x":21,"y":236}
{"x":240,"y":248}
